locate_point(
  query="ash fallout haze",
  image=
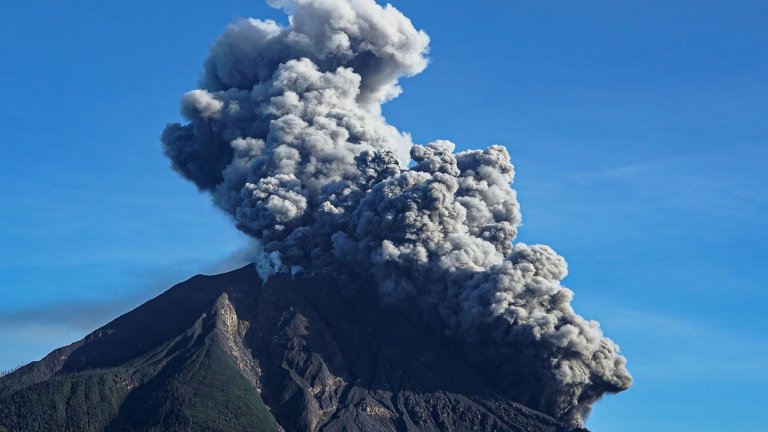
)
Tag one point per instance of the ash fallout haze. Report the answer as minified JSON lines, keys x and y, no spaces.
{"x":374,"y":143}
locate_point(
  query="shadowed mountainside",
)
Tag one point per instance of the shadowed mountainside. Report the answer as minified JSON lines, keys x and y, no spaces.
{"x":229,"y":353}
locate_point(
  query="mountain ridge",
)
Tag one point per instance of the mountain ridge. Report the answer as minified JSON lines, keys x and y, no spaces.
{"x":229,"y":352}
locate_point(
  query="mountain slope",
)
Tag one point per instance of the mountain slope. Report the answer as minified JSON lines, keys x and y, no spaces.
{"x":228,"y":353}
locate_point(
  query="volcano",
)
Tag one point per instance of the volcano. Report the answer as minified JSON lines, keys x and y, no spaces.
{"x":232,"y":353}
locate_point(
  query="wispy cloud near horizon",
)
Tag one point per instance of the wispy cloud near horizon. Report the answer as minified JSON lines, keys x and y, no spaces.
{"x":30,"y":331}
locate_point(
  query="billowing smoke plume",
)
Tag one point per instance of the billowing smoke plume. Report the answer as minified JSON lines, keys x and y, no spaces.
{"x":287,"y":135}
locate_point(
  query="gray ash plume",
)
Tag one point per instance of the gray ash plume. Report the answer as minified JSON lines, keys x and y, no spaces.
{"x":287,"y":135}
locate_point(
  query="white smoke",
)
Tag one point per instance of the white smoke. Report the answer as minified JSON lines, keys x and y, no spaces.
{"x":287,"y":135}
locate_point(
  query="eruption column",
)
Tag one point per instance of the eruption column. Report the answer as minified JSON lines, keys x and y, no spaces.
{"x":286,"y":133}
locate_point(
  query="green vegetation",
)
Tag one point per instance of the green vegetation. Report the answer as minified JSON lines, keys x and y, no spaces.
{"x":224,"y":400}
{"x":81,"y":402}
{"x":189,"y":384}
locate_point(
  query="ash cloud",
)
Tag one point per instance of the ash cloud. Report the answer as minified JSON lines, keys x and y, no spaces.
{"x":286,"y":133}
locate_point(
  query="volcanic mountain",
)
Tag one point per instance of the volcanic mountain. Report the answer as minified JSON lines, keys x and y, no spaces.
{"x":231,"y":353}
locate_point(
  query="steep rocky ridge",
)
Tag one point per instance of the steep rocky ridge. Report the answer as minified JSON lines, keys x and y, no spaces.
{"x":230,"y":353}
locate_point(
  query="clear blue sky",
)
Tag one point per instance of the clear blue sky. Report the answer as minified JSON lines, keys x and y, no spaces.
{"x":638,"y":130}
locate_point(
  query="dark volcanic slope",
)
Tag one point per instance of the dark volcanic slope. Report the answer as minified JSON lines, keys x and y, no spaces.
{"x":226,"y":353}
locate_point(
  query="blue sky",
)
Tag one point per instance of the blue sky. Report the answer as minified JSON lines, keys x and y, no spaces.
{"x":638,"y":131}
